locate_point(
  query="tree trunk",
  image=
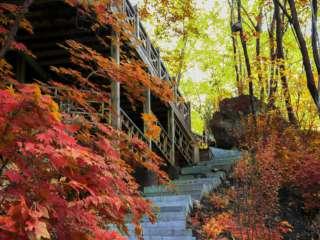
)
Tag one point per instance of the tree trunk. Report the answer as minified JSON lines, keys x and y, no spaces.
{"x":273,"y":82}
{"x":305,"y":55}
{"x":281,"y":64}
{"x":315,"y":38}
{"x":235,"y":50}
{"x":246,"y":57}
{"x":258,"y":57}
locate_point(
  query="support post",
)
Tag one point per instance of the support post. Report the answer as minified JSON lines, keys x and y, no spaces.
{"x":172,"y":130}
{"x":151,"y":178}
{"x":137,"y":22}
{"x":147,"y":109}
{"x":115,"y":85}
{"x":196,"y":153}
{"x":159,"y":63}
{"x":21,"y":69}
{"x":189,"y":115}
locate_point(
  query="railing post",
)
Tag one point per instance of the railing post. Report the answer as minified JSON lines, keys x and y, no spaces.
{"x":137,"y":22}
{"x":115,"y":85}
{"x":171,"y":133}
{"x":196,"y":153}
{"x":189,"y":114}
{"x":159,"y":63}
{"x":147,"y":109}
{"x":151,"y":177}
{"x":148,"y":46}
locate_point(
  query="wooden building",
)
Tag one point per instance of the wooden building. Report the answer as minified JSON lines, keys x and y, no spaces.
{"x":55,"y":22}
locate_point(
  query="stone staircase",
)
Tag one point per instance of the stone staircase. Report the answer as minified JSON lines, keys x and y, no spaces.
{"x":173,"y":203}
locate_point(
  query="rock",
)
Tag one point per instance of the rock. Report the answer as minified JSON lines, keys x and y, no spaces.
{"x":229,"y":124}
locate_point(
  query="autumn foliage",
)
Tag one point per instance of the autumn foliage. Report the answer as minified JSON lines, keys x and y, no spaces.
{"x":280,"y":157}
{"x":61,"y":176}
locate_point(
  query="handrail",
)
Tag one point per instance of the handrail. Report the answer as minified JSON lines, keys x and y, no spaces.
{"x":130,"y":124}
{"x":164,"y":143}
{"x":151,"y":54}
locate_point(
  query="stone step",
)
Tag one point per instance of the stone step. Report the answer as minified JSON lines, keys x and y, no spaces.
{"x":169,"y":216}
{"x":173,"y":203}
{"x":161,"y":224}
{"x":197,"y":170}
{"x":188,"y":177}
{"x":217,"y":174}
{"x":155,"y":191}
{"x":208,"y":180}
{"x":178,"y":209}
{"x":195,"y":195}
{"x":181,"y":188}
{"x":164,"y":232}
{"x":152,"y":237}
{"x":221,"y":153}
{"x":209,"y":167}
{"x":165,"y":238}
{"x":219,"y":161}
{"x":183,"y":199}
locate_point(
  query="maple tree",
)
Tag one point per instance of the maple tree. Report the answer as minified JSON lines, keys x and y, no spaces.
{"x":280,"y":158}
{"x":64,"y":177}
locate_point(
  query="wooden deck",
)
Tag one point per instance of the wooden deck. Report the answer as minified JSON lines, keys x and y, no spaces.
{"x":176,"y":143}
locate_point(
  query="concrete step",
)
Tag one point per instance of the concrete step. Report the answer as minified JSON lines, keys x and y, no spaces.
{"x":222,"y":153}
{"x":188,"y":177}
{"x":207,"y":180}
{"x":208,"y":167}
{"x":161,"y":224}
{"x":152,"y":237}
{"x":231,"y":160}
{"x":210,"y":175}
{"x":177,"y":209}
{"x":181,"y":188}
{"x":195,"y":195}
{"x":183,"y":199}
{"x":173,"y":203}
{"x":197,"y":170}
{"x":169,"y":216}
{"x":164,"y":232}
{"x":165,"y":238}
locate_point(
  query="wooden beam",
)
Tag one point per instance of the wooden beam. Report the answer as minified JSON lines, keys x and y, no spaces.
{"x":21,"y":68}
{"x":172,"y":134}
{"x":147,"y":109}
{"x":115,"y":85}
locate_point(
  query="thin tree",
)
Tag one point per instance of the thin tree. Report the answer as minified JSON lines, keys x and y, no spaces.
{"x":247,"y":59}
{"x":281,"y":64}
{"x":235,"y":50}
{"x":293,"y":18}
{"x":272,"y":80}
{"x":315,"y":38}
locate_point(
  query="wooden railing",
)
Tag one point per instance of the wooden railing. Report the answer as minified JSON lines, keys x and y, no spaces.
{"x":69,"y":107}
{"x":164,"y":143}
{"x":130,"y":127}
{"x":183,"y":142}
{"x":151,"y":56}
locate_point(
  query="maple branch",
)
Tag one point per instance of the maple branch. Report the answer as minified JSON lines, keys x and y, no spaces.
{"x":14,"y":29}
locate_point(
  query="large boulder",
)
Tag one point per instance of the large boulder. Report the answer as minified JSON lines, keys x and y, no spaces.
{"x":228,"y":125}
